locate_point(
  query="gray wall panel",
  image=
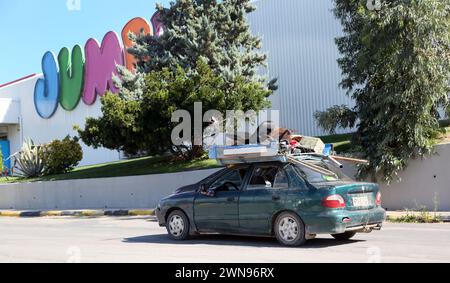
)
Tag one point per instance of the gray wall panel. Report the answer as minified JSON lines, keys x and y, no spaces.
{"x":298,"y":36}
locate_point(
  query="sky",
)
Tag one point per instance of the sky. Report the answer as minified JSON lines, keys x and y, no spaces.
{"x":29,"y":28}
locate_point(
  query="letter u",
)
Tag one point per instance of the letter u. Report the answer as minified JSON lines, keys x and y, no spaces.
{"x":71,"y":74}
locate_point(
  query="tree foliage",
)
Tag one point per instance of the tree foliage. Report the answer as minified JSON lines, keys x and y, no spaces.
{"x":396,"y":66}
{"x":339,"y":116}
{"x":61,"y":156}
{"x":214,"y":31}
{"x":144,"y":124}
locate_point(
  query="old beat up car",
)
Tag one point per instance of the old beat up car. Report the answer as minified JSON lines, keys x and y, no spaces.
{"x":293,"y":199}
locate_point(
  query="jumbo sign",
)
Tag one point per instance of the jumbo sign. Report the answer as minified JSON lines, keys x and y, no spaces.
{"x":86,"y":74}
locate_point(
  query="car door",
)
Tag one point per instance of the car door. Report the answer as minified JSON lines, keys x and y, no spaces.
{"x":263,"y":196}
{"x":300,"y":197}
{"x":219,"y":212}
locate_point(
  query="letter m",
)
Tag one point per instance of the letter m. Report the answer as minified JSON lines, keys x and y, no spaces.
{"x":101,"y":66}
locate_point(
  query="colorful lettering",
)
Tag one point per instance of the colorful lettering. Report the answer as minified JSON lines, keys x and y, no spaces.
{"x":46,"y":91}
{"x":85,"y":78}
{"x":71,"y":76}
{"x":136,"y":26}
{"x":101,"y":66}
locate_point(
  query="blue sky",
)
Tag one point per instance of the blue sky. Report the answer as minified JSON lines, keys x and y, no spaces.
{"x":29,"y":28}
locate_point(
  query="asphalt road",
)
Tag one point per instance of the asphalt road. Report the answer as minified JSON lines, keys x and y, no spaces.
{"x":137,"y":239}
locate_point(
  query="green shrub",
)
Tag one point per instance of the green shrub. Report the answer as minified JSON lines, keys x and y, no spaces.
{"x":62,"y":156}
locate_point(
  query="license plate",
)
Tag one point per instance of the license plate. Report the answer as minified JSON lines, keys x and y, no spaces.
{"x":361,"y":201}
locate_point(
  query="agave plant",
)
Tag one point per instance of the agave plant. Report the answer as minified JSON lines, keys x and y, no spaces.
{"x":28,"y":161}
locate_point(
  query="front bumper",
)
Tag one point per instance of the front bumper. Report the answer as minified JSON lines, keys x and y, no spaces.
{"x":341,"y":221}
{"x":160,"y":217}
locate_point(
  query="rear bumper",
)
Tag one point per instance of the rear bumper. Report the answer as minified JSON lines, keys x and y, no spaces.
{"x":341,"y":221}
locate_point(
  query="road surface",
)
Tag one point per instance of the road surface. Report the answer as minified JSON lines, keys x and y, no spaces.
{"x":135,"y":239}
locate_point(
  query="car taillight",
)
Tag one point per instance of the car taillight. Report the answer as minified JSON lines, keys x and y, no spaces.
{"x":379,"y":199}
{"x":334,"y":201}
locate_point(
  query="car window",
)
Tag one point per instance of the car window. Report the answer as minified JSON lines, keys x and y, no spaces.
{"x":295,"y":179}
{"x":268,"y":177}
{"x":281,"y":180}
{"x":231,"y":181}
{"x":212,"y":177}
{"x":313,"y":176}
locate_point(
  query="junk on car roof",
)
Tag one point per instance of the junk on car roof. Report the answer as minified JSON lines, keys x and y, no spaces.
{"x":299,"y":149}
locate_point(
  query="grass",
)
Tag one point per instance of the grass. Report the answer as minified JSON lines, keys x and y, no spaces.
{"x":134,"y":167}
{"x":444,"y":137}
{"x":420,"y":217}
{"x":342,"y":143}
{"x":152,"y":165}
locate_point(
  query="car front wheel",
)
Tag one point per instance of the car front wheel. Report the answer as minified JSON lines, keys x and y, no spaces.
{"x":344,"y":236}
{"x":178,"y":225}
{"x":290,"y":229}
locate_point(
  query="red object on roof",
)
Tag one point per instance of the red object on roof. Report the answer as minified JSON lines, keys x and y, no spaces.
{"x":18,"y":80}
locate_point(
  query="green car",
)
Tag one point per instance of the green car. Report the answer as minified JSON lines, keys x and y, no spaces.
{"x":291,"y":201}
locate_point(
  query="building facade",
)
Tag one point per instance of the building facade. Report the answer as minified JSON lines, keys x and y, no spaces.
{"x":298,"y":37}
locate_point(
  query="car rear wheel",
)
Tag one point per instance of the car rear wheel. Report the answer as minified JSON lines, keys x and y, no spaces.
{"x":290,"y":229}
{"x":178,"y":225}
{"x":344,"y":236}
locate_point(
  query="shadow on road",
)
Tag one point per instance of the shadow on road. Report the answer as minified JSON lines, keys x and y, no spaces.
{"x":224,"y":240}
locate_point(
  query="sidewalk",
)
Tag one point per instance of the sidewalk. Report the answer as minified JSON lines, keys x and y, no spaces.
{"x":78,"y":213}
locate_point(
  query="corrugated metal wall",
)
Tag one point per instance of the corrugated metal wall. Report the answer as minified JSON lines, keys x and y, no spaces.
{"x":298,"y":36}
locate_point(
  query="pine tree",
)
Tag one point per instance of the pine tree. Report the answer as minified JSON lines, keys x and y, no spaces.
{"x":213,"y":31}
{"x":207,"y":52}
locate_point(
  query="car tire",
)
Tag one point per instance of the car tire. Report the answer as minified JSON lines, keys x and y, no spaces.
{"x":178,"y":225}
{"x":344,"y":236}
{"x":290,"y":230}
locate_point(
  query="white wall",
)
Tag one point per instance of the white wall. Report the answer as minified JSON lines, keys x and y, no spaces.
{"x":57,"y":127}
{"x":114,"y":193}
{"x":298,"y":36}
{"x":9,"y":111}
{"x":422,"y":183}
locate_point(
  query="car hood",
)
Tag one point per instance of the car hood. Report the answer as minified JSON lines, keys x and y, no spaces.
{"x":187,"y":189}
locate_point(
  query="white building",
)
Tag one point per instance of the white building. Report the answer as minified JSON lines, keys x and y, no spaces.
{"x":298,"y":36}
{"x":19,"y":120}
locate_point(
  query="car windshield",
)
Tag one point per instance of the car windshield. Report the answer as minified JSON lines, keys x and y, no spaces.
{"x":329,"y":172}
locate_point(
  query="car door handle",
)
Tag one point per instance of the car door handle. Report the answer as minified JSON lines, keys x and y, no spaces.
{"x":276,"y":198}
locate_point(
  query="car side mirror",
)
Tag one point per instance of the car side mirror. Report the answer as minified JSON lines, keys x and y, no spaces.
{"x":207,"y":192}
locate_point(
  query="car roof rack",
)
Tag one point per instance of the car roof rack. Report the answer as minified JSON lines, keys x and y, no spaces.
{"x":254,"y":153}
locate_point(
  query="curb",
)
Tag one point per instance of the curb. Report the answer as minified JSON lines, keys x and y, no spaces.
{"x":78,"y":213}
